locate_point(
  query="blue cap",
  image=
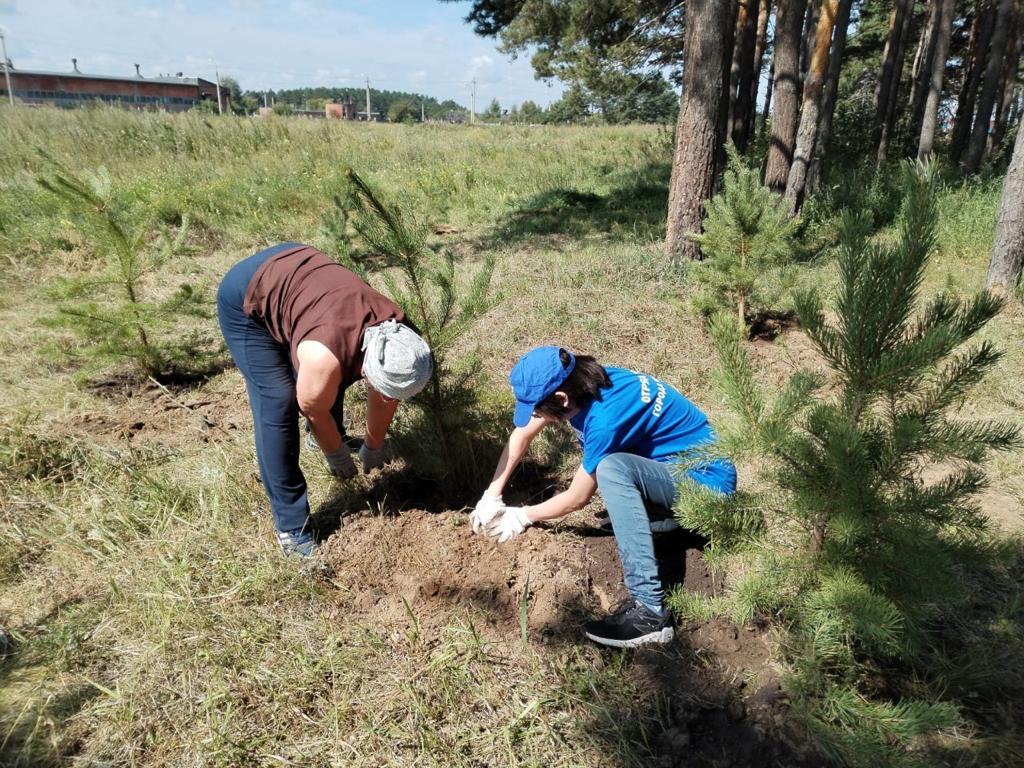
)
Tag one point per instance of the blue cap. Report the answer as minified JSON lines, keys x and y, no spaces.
{"x":537,"y":374}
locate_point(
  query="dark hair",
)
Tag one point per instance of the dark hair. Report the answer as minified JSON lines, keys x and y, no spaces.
{"x":582,"y":386}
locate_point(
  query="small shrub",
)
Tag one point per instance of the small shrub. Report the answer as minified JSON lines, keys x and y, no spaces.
{"x":113,"y":312}
{"x":747,"y":235}
{"x":451,"y":442}
{"x":864,"y":548}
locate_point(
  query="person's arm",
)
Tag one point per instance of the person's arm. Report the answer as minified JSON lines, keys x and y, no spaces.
{"x":380,"y":411}
{"x":316,"y":389}
{"x":513,"y":521}
{"x":576,"y":496}
{"x":515,"y":449}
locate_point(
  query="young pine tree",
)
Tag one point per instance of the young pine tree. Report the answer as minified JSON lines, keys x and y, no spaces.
{"x":747,"y":235}
{"x":858,"y":548}
{"x":114,"y":312}
{"x":423,"y":282}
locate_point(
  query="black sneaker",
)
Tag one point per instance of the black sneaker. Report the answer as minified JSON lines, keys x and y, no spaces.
{"x":299,"y":543}
{"x":634,"y":624}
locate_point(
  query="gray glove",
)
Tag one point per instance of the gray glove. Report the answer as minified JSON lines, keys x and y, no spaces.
{"x":341,"y":464}
{"x":373,"y":459}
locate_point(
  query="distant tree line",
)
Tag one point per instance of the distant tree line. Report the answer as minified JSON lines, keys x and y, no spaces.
{"x":382,"y":101}
{"x":627,"y":98}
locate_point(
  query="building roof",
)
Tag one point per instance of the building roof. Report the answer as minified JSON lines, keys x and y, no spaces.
{"x":129,"y":78}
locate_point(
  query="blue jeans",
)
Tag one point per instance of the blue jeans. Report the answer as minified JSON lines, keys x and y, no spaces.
{"x":266,"y":366}
{"x":640,"y":494}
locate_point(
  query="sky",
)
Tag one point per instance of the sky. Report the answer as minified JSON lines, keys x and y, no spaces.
{"x":423,"y":46}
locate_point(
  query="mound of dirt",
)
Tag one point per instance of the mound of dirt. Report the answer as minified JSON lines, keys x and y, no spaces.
{"x":726,"y":704}
{"x":436,"y":565}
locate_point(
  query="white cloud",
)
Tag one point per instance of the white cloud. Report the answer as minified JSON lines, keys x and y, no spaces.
{"x":479,"y":65}
{"x":272,"y":44}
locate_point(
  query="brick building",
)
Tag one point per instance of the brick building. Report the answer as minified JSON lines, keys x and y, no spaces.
{"x":341,"y":110}
{"x":72,"y":89}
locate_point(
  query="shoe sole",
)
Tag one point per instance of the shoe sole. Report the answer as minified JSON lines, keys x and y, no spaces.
{"x":661,"y":637}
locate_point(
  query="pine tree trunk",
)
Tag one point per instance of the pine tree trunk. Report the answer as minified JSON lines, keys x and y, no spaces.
{"x":892,"y":75}
{"x":981,"y":34}
{"x":828,"y":99}
{"x":728,"y":44}
{"x":937,"y":67}
{"x":789,"y":18}
{"x":807,"y":37}
{"x":817,"y":538}
{"x":921,"y":71}
{"x":742,"y":73}
{"x":1004,"y":266}
{"x":761,"y":41}
{"x":1008,"y":78}
{"x":697,"y":129}
{"x":989,"y":86}
{"x":806,"y":136}
{"x":768,"y":93}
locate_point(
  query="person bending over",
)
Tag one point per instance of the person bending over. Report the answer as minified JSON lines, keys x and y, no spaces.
{"x":632,"y":428}
{"x":302,"y":329}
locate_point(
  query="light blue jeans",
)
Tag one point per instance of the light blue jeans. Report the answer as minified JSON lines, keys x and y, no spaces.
{"x":640,"y":494}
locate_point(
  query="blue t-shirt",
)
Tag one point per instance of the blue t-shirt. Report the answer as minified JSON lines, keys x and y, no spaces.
{"x":644,"y":416}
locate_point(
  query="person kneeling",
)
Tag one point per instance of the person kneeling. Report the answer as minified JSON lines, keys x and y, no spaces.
{"x":632,"y":428}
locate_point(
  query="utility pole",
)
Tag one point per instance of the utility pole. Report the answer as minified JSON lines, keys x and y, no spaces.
{"x":265,"y":104}
{"x":367,"y":99}
{"x":423,"y":113}
{"x":472,"y":103}
{"x":7,"y":66}
{"x":220,"y":108}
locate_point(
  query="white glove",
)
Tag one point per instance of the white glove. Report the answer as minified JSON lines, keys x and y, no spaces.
{"x":341,"y":464}
{"x":486,"y":510}
{"x":513,"y":521}
{"x":372,"y":458}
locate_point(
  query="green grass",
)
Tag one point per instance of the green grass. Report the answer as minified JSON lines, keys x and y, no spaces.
{"x":148,"y":619}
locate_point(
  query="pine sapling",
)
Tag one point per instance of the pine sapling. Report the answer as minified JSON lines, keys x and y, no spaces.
{"x":113,"y":312}
{"x":422,"y":280}
{"x":747,"y":235}
{"x":871,"y":547}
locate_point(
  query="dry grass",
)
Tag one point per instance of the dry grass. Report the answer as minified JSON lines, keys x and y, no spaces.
{"x":147,"y":618}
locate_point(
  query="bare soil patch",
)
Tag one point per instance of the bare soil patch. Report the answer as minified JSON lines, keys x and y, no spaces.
{"x":422,"y":572}
{"x":175,"y":414}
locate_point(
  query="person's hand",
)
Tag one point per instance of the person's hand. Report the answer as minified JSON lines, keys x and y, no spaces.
{"x":512,"y":522}
{"x":486,"y":510}
{"x":341,"y":464}
{"x":373,"y":458}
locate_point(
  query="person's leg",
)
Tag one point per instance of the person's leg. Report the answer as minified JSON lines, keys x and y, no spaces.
{"x":630,"y":485}
{"x":266,"y":367}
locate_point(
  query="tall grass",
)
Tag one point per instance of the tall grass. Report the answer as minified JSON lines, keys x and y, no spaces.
{"x":146,"y":618}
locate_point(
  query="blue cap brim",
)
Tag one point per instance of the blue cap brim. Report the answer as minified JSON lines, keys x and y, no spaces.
{"x":523,"y":413}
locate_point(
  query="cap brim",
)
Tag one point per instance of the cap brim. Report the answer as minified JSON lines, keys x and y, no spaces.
{"x":523,"y":413}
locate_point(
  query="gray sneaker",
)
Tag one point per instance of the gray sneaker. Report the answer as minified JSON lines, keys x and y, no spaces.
{"x":298,"y":543}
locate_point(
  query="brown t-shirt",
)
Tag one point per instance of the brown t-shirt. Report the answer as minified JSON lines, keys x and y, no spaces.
{"x":301,"y":294}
